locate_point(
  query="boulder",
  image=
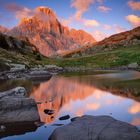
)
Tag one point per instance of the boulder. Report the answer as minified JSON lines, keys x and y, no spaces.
{"x":15,"y":107}
{"x":37,"y":75}
{"x":96,"y":128}
{"x":17,"y":67}
{"x":133,"y":66}
{"x":15,"y":92}
{"x":17,"y":129}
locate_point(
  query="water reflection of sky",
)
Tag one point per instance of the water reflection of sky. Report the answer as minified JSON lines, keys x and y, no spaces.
{"x":123,"y":75}
{"x":76,"y":99}
{"x":69,"y":95}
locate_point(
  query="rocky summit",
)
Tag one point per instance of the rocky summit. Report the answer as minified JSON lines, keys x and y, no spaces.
{"x":49,"y":36}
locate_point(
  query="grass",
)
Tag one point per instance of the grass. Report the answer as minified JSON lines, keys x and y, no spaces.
{"x":114,"y":58}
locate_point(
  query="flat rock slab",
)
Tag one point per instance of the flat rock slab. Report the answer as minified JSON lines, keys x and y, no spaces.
{"x":96,"y":128}
{"x":15,"y":107}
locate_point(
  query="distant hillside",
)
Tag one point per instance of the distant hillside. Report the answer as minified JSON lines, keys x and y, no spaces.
{"x":121,"y":40}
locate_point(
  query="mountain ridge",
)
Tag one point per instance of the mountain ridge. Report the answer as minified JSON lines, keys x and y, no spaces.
{"x":47,"y":34}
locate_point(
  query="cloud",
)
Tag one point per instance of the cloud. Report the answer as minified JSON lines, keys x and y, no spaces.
{"x":134,"y":109}
{"x":13,"y":7}
{"x":93,"y":106}
{"x":99,"y":35}
{"x":19,"y":11}
{"x":81,"y":6}
{"x":66,"y":22}
{"x":91,"y":23}
{"x":104,"y":9}
{"x":119,"y":29}
{"x":134,"y":5}
{"x":106,"y":27}
{"x":133,"y":20}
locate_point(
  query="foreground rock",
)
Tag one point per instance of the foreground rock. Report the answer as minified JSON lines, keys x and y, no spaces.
{"x":15,"y":107}
{"x":96,"y":128}
{"x":13,"y":129}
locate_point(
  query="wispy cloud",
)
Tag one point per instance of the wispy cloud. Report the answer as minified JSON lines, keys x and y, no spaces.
{"x":66,"y":22}
{"x":106,"y":27}
{"x":99,"y":35}
{"x":104,"y":9}
{"x":91,"y":23}
{"x":133,"y":20}
{"x":134,"y":5}
{"x":81,"y":6}
{"x":19,"y":11}
{"x":119,"y":29}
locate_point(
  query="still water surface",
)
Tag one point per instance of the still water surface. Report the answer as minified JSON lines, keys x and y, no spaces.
{"x":96,"y":93}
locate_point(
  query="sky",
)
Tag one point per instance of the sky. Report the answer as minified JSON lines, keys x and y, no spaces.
{"x":101,"y":18}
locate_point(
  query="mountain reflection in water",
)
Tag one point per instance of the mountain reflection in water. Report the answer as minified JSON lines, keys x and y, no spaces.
{"x":70,"y":95}
{"x":112,"y":94}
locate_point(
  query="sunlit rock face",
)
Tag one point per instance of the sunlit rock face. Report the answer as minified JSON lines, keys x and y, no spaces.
{"x":80,"y":36}
{"x":45,"y":31}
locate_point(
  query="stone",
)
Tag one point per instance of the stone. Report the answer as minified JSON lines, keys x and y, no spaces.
{"x":18,"y":92}
{"x":17,"y":67}
{"x":66,"y":117}
{"x":96,"y":128}
{"x":133,"y":65}
{"x":48,"y":111}
{"x":13,"y":129}
{"x":39,"y":75}
{"x":73,"y":119}
{"x":2,"y":128}
{"x":15,"y":107}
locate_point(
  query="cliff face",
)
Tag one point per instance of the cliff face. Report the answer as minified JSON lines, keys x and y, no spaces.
{"x":81,"y":37}
{"x":48,"y":35}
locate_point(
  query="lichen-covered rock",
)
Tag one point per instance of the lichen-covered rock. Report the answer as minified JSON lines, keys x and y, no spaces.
{"x":96,"y":128}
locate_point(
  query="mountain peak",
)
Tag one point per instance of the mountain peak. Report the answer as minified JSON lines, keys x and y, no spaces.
{"x":46,"y":32}
{"x":45,"y":10}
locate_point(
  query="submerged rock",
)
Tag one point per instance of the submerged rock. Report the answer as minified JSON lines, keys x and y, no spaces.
{"x":96,"y":128}
{"x":66,"y":117}
{"x":16,"y":107}
{"x":48,"y":111}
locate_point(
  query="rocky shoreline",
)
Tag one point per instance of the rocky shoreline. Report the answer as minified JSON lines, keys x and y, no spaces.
{"x":78,"y":69}
{"x":47,"y":71}
{"x":40,"y":72}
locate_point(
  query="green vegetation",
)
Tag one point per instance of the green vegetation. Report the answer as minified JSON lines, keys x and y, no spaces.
{"x":30,"y":59}
{"x":114,"y":58}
